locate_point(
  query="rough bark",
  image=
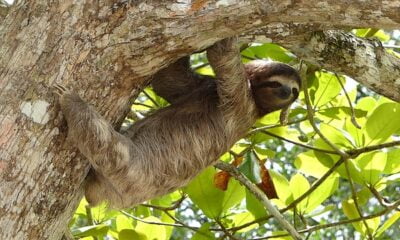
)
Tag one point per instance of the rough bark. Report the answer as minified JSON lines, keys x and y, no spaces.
{"x":106,"y":50}
{"x":365,"y":60}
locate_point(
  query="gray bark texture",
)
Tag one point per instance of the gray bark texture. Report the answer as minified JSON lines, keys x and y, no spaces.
{"x":107,"y":51}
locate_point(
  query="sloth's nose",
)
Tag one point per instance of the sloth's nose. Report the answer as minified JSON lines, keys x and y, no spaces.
{"x":284,"y":92}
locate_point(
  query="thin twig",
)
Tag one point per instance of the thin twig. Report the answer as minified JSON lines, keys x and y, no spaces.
{"x":358,"y":151}
{"x":142,"y":104}
{"x":353,"y":113}
{"x":182,"y":223}
{"x":354,"y":196}
{"x":310,"y":116}
{"x":256,"y":130}
{"x":315,"y":185}
{"x":90,"y":219}
{"x":150,"y":98}
{"x":155,"y":223}
{"x":172,"y":207}
{"x":260,"y":196}
{"x":299,"y":144}
{"x":227,"y":233}
{"x":382,"y":201}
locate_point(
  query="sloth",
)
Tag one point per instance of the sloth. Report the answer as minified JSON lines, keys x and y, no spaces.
{"x":167,"y":149}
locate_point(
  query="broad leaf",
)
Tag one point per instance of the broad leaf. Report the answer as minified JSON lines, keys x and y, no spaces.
{"x":254,"y":205}
{"x":94,"y":230}
{"x":309,"y":163}
{"x":372,"y":165}
{"x":205,"y":195}
{"x":152,"y":231}
{"x":242,"y":218}
{"x":282,"y":187}
{"x":393,"y":161}
{"x":298,"y":186}
{"x":382,"y":123}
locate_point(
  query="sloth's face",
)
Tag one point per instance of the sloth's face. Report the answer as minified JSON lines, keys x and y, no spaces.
{"x":274,"y":85}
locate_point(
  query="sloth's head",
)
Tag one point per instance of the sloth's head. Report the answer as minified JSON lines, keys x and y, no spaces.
{"x":274,"y":85}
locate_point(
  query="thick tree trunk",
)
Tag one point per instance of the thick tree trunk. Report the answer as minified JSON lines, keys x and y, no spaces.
{"x":106,"y":51}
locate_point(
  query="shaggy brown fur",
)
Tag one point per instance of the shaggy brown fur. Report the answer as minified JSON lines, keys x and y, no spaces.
{"x":166,"y":150}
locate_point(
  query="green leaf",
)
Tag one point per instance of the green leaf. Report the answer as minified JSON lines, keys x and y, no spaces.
{"x":129,"y":234}
{"x":336,"y":136}
{"x":282,"y":187}
{"x":82,"y":207}
{"x":382,"y":36}
{"x":321,"y":210}
{"x":259,"y":137}
{"x":312,"y":165}
{"x":205,"y":195}
{"x":233,"y":195}
{"x":142,"y":211}
{"x":100,"y":212}
{"x":263,"y":153}
{"x":322,"y":192}
{"x":341,"y":112}
{"x":366,"y":104}
{"x":325,"y":88}
{"x":361,"y":32}
{"x":277,"y":233}
{"x":239,"y":219}
{"x":167,"y":200}
{"x":206,"y":70}
{"x":93,"y":230}
{"x":161,"y":102}
{"x":298,"y":186}
{"x":251,"y":168}
{"x":357,"y":134}
{"x":354,"y":169}
{"x":269,"y":50}
{"x":204,"y":233}
{"x":372,"y":165}
{"x":152,"y":231}
{"x":254,"y":205}
{"x":391,"y":220}
{"x":351,"y":212}
{"x":269,"y":119}
{"x":382,"y":123}
{"x":167,"y":219}
{"x":393,"y":162}
{"x":123,"y":222}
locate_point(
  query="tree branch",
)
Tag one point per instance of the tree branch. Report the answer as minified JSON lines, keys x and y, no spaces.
{"x":343,"y":222}
{"x":260,"y":196}
{"x":365,"y":60}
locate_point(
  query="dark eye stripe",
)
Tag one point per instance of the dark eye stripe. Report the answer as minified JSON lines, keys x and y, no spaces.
{"x":273,"y":84}
{"x":295,"y":92}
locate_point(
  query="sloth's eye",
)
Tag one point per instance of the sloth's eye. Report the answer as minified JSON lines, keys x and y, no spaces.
{"x":273,"y":84}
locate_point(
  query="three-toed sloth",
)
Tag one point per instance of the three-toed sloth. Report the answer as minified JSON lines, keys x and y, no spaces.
{"x":167,"y":149}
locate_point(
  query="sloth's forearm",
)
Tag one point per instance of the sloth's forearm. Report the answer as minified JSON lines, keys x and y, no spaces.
{"x":236,"y":102}
{"x":106,"y":149}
